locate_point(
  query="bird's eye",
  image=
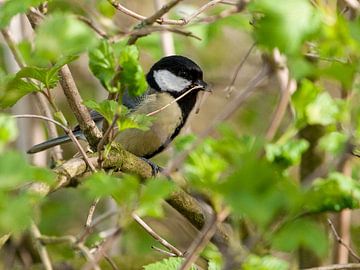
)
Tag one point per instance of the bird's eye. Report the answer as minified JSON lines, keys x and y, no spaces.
{"x":182,"y":73}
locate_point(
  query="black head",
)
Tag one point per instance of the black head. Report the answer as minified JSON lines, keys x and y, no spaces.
{"x":175,"y":74}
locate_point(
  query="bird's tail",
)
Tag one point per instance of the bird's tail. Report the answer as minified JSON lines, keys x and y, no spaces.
{"x":51,"y":143}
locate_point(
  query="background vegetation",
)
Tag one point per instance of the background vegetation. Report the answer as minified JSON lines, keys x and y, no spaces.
{"x":263,"y":177}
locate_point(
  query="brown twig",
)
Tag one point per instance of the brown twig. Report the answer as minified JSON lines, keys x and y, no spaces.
{"x":341,"y":242}
{"x":47,"y":240}
{"x":91,"y":24}
{"x":151,"y":29}
{"x":44,"y":255}
{"x":91,"y":212}
{"x":287,"y":87}
{"x":67,"y":130}
{"x":157,"y":16}
{"x":336,"y":267}
{"x":157,"y":237}
{"x":229,"y":89}
{"x":203,"y":239}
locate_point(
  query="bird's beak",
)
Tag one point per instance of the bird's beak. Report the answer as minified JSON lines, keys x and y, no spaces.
{"x":203,"y":85}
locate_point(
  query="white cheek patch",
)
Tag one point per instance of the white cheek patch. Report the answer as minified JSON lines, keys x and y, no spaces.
{"x":170,"y":82}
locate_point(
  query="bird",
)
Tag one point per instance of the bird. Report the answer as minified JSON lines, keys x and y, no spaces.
{"x":168,"y":79}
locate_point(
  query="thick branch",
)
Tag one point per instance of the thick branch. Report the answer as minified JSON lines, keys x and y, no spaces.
{"x":73,"y":171}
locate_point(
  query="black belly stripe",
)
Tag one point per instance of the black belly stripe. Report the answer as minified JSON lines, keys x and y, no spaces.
{"x":186,"y":105}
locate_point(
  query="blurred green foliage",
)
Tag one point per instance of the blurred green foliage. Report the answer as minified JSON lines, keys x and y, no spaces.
{"x":257,"y":179}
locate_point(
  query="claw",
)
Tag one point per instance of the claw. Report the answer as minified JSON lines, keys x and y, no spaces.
{"x":155,"y":168}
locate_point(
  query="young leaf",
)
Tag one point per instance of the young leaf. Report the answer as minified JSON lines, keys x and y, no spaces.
{"x":285,"y":25}
{"x":132,"y":76}
{"x":301,"y":233}
{"x":8,"y":130}
{"x":13,"y":89}
{"x":287,"y":154}
{"x":264,"y":263}
{"x":12,"y":7}
{"x":152,"y":195}
{"x":62,"y":35}
{"x":107,"y":108}
{"x":102,"y":64}
{"x":334,"y":193}
{"x":167,"y":264}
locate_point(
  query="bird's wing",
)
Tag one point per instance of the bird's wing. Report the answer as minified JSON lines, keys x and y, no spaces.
{"x":133,"y":102}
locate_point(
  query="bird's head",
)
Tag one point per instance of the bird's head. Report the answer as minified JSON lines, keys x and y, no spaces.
{"x":175,"y":74}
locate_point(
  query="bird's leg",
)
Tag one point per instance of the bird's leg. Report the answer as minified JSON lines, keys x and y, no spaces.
{"x":155,"y":168}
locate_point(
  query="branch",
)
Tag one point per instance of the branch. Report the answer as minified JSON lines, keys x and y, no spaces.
{"x":341,"y":242}
{"x":287,"y":87}
{"x":337,"y":267}
{"x":203,"y":239}
{"x":157,"y":237}
{"x":44,"y":256}
{"x":67,"y":130}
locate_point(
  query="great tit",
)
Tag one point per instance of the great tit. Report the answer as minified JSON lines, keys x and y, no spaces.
{"x":168,"y":79}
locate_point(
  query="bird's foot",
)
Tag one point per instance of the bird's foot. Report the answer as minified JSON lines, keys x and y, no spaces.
{"x":155,"y":168}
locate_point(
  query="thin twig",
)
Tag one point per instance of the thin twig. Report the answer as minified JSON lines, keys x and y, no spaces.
{"x":151,"y":29}
{"x":44,"y":255}
{"x":157,"y":237}
{"x":67,"y":130}
{"x":91,"y":24}
{"x":46,"y":240}
{"x":229,"y":89}
{"x":355,"y":266}
{"x":203,"y":239}
{"x":91,"y":212}
{"x":167,"y":39}
{"x":287,"y":87}
{"x":175,"y":100}
{"x":157,"y":17}
{"x":341,"y":242}
{"x":167,"y":253}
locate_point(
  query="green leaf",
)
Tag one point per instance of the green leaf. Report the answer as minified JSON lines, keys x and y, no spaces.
{"x":334,"y":193}
{"x":302,"y":233}
{"x":285,"y":25}
{"x":152,"y":195}
{"x":15,"y":212}
{"x":102,"y":63}
{"x":124,"y":190}
{"x":287,"y":154}
{"x":117,"y":67}
{"x":12,"y":89}
{"x":12,"y":7}
{"x":333,"y":142}
{"x":264,"y":263}
{"x":8,"y":130}
{"x":14,"y":170}
{"x":136,"y":120}
{"x":62,"y":35}
{"x":132,"y":76}
{"x":324,"y":110}
{"x":304,"y":95}
{"x":107,"y":108}
{"x":167,"y":264}
{"x":105,"y":8}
